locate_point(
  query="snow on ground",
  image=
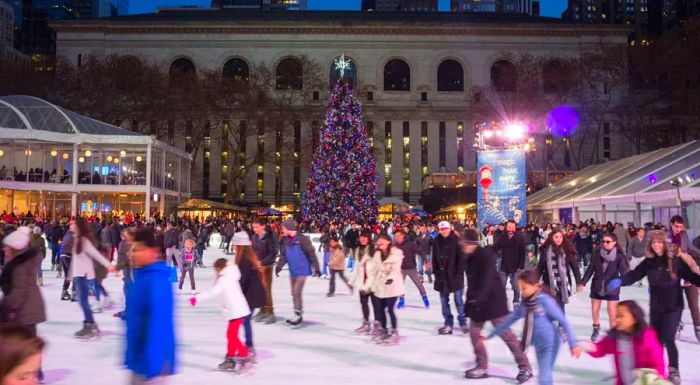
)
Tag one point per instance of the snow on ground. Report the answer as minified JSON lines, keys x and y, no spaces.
{"x":325,"y":351}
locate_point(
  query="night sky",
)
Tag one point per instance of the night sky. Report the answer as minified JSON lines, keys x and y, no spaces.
{"x":552,"y":8}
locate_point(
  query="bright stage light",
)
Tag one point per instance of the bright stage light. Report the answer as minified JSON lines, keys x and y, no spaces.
{"x":488,"y":134}
{"x":515,"y":130}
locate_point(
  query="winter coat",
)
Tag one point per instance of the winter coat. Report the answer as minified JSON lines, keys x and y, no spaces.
{"x":67,"y":243}
{"x":37,"y":242}
{"x":56,"y":233}
{"x":666,"y":293}
{"x":227,"y":290}
{"x":570,"y":267}
{"x":187,"y":265}
{"x":170,"y":239}
{"x":81,"y":264}
{"x":337,"y":260}
{"x":648,"y":352}
{"x":409,"y":249}
{"x":300,"y":254}
{"x":351,"y":238}
{"x":251,"y":284}
{"x":584,"y":243}
{"x":106,"y":236}
{"x":448,"y":264}
{"x":384,"y":278}
{"x":600,"y":277}
{"x":22,"y":303}
{"x":150,"y":329}
{"x":362,"y":258}
{"x":512,"y":251}
{"x":123,"y":260}
{"x":637,"y":248}
{"x":486,"y":295}
{"x":265,"y":248}
{"x":685,"y":244}
{"x":425,"y":243}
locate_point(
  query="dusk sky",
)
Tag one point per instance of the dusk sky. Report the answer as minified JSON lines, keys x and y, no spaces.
{"x":552,"y":8}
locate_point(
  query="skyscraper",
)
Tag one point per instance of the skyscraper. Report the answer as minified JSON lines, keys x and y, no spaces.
{"x":647,"y":16}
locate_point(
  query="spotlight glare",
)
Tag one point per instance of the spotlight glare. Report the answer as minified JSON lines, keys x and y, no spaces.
{"x":514,"y":130}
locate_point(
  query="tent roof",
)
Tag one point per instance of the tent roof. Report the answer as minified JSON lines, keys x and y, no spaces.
{"x":392,"y":201}
{"x":638,"y":174}
{"x":196,"y":204}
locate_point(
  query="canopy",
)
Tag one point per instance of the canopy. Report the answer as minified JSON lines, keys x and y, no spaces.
{"x":196,"y":204}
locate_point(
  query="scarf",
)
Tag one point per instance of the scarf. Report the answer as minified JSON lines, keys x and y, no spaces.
{"x":530,"y":306}
{"x":558,"y":283}
{"x":625,"y":353}
{"x":608,"y":257}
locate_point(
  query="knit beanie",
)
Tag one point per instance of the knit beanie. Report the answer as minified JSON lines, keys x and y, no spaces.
{"x":18,"y":239}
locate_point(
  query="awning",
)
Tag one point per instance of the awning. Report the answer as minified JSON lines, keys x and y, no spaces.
{"x":196,"y":204}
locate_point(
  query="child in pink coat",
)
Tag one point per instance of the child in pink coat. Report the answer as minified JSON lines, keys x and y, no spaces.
{"x":633,"y":343}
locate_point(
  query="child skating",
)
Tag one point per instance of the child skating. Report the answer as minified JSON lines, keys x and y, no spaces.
{"x":186,"y":259}
{"x":336,"y":264}
{"x":227,"y":290}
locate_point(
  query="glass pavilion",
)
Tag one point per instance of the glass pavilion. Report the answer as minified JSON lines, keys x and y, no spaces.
{"x":55,"y":162}
{"x":649,"y":187}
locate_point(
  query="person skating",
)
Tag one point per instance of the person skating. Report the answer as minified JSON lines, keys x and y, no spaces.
{"x":385,"y":282}
{"x":227,"y":290}
{"x":265,"y":248}
{"x":408,"y":266}
{"x":364,"y":254}
{"x":540,"y":312}
{"x":297,"y":250}
{"x":633,"y":344}
{"x":511,"y":247}
{"x":487,"y":302}
{"x":665,"y":268}
{"x":150,"y":330}
{"x":448,"y":266}
{"x":557,"y":260}
{"x":66,"y":248}
{"x":425,"y":243}
{"x":336,"y":264}
{"x":186,"y":260}
{"x":679,"y":237}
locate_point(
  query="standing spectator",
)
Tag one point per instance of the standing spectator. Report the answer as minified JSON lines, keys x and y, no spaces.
{"x":408,"y":266}
{"x":636,"y":248}
{"x":511,"y":247}
{"x":622,"y":235}
{"x":487,"y":302}
{"x":557,"y":261}
{"x":584,"y":245}
{"x":170,"y":242}
{"x":150,"y":329}
{"x":448,"y":266}
{"x":266,"y":250}
{"x":425,"y":244}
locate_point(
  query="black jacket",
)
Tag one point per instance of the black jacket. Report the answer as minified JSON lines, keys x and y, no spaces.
{"x":448,"y":264}
{"x":265,"y":248}
{"x":172,"y":238}
{"x":601,"y":278}
{"x":666,"y":292}
{"x":425,"y":243}
{"x":486,"y":295}
{"x":251,"y":284}
{"x":409,"y":249}
{"x":351,"y":238}
{"x":56,"y":233}
{"x":512,"y":252}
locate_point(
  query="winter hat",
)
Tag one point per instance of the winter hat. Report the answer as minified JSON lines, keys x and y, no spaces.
{"x":18,"y":239}
{"x":290,"y":225}
{"x":444,"y":225}
{"x":657,"y":235}
{"x":471,"y":237}
{"x":36,"y":230}
{"x":240,"y":238}
{"x":366,"y":233}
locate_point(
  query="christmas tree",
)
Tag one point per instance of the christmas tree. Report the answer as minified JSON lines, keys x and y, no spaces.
{"x":342,"y":182}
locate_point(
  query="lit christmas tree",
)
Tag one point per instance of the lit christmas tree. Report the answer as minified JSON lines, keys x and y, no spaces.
{"x":342,"y":182}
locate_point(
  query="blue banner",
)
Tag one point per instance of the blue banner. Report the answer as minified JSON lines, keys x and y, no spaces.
{"x":500,"y":188}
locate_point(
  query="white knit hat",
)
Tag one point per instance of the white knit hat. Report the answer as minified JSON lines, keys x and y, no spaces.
{"x":240,"y":238}
{"x":18,"y":239}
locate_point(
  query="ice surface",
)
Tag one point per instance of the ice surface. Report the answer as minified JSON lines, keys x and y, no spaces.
{"x":325,"y":351}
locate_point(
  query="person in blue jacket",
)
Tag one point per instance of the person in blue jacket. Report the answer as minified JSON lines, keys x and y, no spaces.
{"x":540,"y":311}
{"x":150,"y":334}
{"x":297,"y":251}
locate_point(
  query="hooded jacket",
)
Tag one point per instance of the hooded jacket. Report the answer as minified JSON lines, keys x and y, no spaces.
{"x":22,"y":303}
{"x":227,"y":290}
{"x":384,"y":278}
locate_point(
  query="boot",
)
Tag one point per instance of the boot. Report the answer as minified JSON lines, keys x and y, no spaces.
{"x":259,"y":316}
{"x":426,"y":303}
{"x":228,"y":364}
{"x":674,"y":376}
{"x":523,"y":376}
{"x":476,"y":373}
{"x":596,"y":332}
{"x":88,"y":331}
{"x":401,"y":304}
{"x":391,"y":338}
{"x":65,"y":296}
{"x":269,"y":319}
{"x":697,"y":333}
{"x":445,"y":330}
{"x":364,"y":328}
{"x":377,"y":331}
{"x":252,"y":355}
{"x":296,"y":320}
{"x":379,"y":336}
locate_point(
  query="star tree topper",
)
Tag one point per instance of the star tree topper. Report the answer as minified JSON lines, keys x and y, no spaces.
{"x":342,"y":64}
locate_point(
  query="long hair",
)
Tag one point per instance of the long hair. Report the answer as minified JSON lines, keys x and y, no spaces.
{"x":384,"y":254}
{"x":83,"y":232}
{"x":566,"y":246}
{"x":369,"y":247}
{"x":660,"y":235}
{"x":16,"y":346}
{"x":637,"y":312}
{"x":248,"y":253}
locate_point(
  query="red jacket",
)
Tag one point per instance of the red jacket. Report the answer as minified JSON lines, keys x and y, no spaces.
{"x":648,"y":352}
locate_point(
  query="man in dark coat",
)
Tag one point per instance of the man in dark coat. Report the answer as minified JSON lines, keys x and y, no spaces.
{"x":265,"y":247}
{"x":448,"y":267}
{"x":487,"y":301}
{"x":511,"y":246}
{"x":408,"y":266}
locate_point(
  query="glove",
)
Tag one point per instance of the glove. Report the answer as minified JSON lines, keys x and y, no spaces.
{"x":193,"y":301}
{"x":614,"y":284}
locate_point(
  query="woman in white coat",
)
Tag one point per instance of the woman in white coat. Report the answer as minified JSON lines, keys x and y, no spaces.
{"x":384,"y":280}
{"x":227,"y":290}
{"x":363,"y":255}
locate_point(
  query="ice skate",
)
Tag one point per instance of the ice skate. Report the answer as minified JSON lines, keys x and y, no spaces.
{"x":445,"y":330}
{"x":252,"y":355}
{"x":391,"y":338}
{"x":243,"y":365}
{"x":269,"y":318}
{"x":295,"y":321}
{"x":674,"y":376}
{"x":596,"y":333}
{"x":523,"y":376}
{"x":259,"y":316}
{"x":88,"y":332}
{"x":363,"y":329}
{"x":476,"y":373}
{"x":65,"y":296}
{"x":228,"y":365}
{"x":379,"y":335}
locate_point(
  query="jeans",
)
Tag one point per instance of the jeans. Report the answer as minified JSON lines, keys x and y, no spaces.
{"x":459,"y":304}
{"x":482,"y":359}
{"x":82,"y":289}
{"x":326,"y":258}
{"x":248,"y":331}
{"x":55,"y":258}
{"x":691,"y":295}
{"x":514,"y":284}
{"x":187,"y":270}
{"x":297,"y":284}
{"x":546,"y":356}
{"x":422,"y":260}
{"x":267,"y":284}
{"x":65,"y":266}
{"x":413,"y":274}
{"x":666,"y":324}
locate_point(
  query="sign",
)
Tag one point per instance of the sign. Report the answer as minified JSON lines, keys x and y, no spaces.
{"x":500,"y":189}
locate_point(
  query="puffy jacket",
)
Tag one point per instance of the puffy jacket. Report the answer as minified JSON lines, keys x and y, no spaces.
{"x":299,"y":253}
{"x":362,"y":258}
{"x":150,"y":329}
{"x":265,"y":248}
{"x":648,"y":352}
{"x":22,"y":303}
{"x":409,"y":249}
{"x":384,"y":278}
{"x":337,"y":260}
{"x":227,"y":290}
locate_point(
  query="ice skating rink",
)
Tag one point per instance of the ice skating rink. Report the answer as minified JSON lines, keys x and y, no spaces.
{"x":325,"y":351}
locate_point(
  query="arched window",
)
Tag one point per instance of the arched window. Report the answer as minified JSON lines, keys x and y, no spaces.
{"x":556,"y":77}
{"x":450,"y":76}
{"x":289,"y":75}
{"x":236,"y":70}
{"x":397,"y":76}
{"x":350,"y":74}
{"x":503,"y":76}
{"x":182,"y":70}
{"x":128,"y":73}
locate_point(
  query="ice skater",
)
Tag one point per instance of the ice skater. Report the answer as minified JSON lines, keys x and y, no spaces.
{"x":409,"y":267}
{"x":186,"y":260}
{"x":227,"y":290}
{"x":336,"y":264}
{"x":363,"y":254}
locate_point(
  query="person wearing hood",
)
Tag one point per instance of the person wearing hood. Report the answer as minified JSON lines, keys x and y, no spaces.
{"x":448,"y":267}
{"x":22,"y":304}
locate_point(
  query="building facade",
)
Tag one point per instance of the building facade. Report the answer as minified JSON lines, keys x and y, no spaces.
{"x":528,"y":7}
{"x":424,"y":84}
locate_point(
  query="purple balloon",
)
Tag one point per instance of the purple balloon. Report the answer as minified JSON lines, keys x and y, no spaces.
{"x":563,"y":120}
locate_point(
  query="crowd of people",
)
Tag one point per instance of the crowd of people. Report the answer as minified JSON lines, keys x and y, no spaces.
{"x":471,"y":270}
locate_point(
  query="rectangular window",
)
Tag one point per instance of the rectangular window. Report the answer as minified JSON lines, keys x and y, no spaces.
{"x":206,"y":163}
{"x":387,"y":158}
{"x":370,"y":96}
{"x":461,"y":148}
{"x":443,"y":146}
{"x":406,"y":158}
{"x":224,"y":156}
{"x":423,"y":96}
{"x":370,"y":134}
{"x":606,"y":128}
{"x":424,"y":147}
{"x":315,"y":95}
